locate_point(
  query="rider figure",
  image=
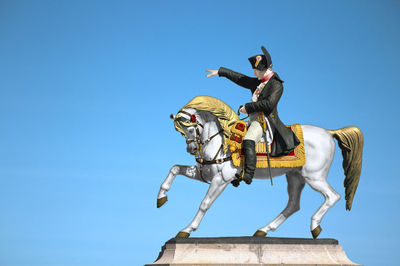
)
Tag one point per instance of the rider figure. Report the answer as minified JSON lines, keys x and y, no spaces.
{"x":266,"y":91}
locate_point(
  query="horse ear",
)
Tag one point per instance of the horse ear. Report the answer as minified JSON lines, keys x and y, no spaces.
{"x":172,"y":116}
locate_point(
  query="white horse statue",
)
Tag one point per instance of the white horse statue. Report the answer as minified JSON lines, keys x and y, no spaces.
{"x":205,"y":122}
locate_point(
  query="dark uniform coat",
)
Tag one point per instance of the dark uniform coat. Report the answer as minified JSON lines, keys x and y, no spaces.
{"x":284,"y":139}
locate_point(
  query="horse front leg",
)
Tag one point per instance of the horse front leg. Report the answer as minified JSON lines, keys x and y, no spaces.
{"x":190,"y":171}
{"x":216,"y":187}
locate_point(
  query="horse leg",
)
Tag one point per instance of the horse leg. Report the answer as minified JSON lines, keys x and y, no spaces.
{"x":190,"y":171}
{"x":320,"y":150}
{"x":295,"y":186}
{"x":317,"y":182}
{"x":216,"y":187}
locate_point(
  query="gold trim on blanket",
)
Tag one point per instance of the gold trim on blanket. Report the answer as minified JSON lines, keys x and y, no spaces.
{"x":296,"y":159}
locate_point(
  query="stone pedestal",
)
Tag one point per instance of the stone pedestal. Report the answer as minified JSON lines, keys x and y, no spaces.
{"x":251,"y":251}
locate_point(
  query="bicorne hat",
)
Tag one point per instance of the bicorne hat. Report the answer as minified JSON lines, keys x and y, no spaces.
{"x":260,"y":61}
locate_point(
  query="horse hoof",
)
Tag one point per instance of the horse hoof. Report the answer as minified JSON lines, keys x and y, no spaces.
{"x":315,"y":233}
{"x":182,"y":234}
{"x":161,"y":201}
{"x":260,"y":233}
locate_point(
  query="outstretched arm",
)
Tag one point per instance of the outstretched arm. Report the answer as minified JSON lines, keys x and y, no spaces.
{"x":238,"y":78}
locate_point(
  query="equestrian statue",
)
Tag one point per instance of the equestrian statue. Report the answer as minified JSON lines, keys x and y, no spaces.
{"x":230,"y":150}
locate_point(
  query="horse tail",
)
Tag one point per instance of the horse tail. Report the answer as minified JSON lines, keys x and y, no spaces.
{"x":351,"y":141}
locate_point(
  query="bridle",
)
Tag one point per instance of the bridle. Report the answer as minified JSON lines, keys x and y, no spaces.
{"x":197,"y":138}
{"x":201,"y":144}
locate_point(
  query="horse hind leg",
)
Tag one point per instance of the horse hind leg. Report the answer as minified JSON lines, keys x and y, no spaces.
{"x":295,"y":186}
{"x":317,"y":182}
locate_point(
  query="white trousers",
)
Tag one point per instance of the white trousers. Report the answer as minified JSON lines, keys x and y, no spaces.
{"x":255,"y":133}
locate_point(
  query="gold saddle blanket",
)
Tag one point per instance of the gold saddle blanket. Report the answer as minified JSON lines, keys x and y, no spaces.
{"x":294,"y":159}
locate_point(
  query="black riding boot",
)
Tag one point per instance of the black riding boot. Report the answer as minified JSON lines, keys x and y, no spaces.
{"x":250,"y":160}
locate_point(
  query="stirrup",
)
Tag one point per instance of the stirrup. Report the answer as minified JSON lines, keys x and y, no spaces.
{"x":240,"y":176}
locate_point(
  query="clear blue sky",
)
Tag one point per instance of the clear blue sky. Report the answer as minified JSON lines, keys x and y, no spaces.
{"x":86,"y":88}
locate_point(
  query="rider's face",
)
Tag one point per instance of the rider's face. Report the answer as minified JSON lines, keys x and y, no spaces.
{"x":259,"y":73}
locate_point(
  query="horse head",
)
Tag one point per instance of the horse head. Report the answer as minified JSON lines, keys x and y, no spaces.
{"x":189,"y":123}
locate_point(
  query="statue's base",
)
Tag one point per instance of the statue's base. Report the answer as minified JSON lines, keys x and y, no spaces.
{"x":251,"y":251}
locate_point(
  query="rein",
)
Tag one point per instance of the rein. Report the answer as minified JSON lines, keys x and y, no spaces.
{"x":202,"y":161}
{"x":197,"y":139}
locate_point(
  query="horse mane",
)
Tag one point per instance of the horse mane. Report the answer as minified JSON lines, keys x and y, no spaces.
{"x":223,"y":112}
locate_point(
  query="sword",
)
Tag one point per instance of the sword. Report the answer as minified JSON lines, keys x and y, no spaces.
{"x":269,"y":163}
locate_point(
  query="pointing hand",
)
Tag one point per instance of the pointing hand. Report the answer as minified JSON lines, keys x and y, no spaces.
{"x":212,"y":73}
